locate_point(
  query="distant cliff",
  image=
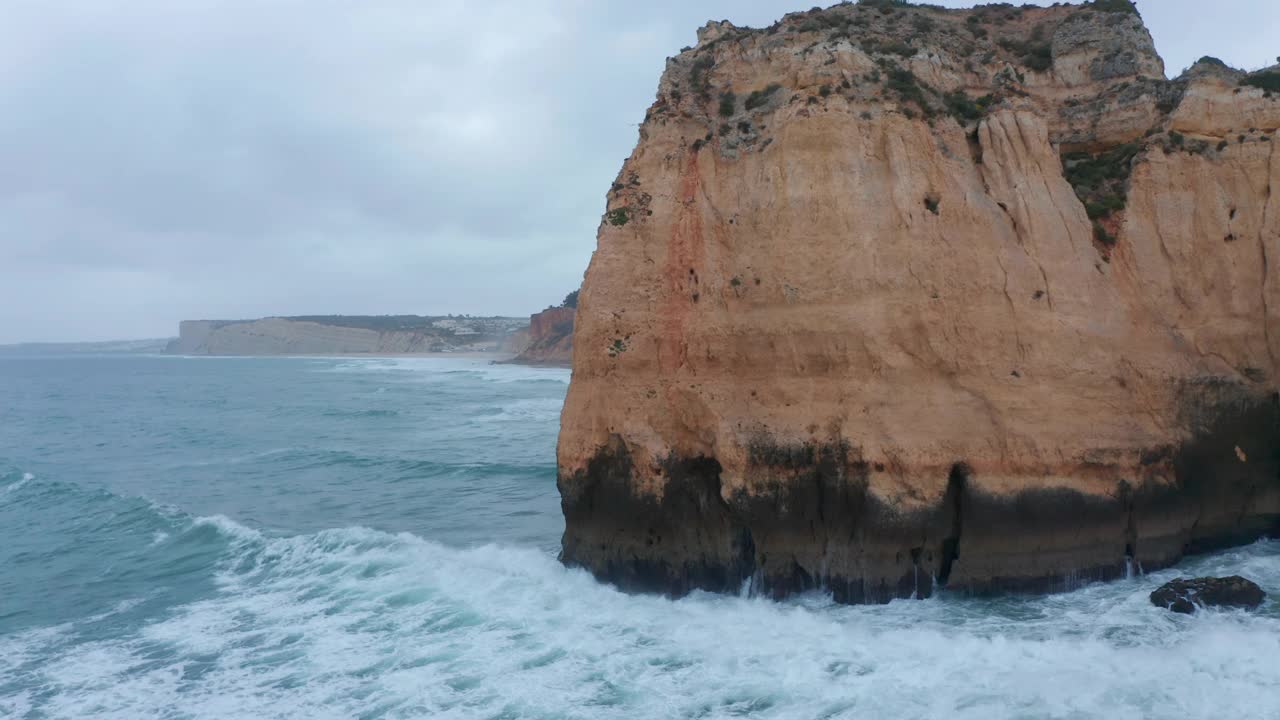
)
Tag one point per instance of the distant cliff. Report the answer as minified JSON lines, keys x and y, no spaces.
{"x":346,"y":334}
{"x":550,"y":340}
{"x":892,"y":296}
{"x":107,"y":347}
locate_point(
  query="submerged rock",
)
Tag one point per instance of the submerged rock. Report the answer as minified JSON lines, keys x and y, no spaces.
{"x":994,"y":309}
{"x":1184,"y":596}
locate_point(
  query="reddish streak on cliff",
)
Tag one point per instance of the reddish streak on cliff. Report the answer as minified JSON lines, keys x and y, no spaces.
{"x":685,"y":255}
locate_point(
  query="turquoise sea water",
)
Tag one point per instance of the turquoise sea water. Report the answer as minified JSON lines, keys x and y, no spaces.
{"x":361,"y":538}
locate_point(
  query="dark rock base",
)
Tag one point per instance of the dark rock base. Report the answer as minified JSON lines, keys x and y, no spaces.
{"x":816,"y":526}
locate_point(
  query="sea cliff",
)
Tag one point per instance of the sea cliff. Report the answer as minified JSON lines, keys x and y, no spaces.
{"x":550,"y":338}
{"x":890,"y":297}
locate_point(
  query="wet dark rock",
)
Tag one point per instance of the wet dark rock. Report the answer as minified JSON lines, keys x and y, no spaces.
{"x":1184,"y":596}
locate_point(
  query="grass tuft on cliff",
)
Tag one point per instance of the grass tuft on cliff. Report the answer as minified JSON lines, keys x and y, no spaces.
{"x":1036,"y":55}
{"x":760,"y":97}
{"x":904,"y":83}
{"x":728,"y":103}
{"x":619,"y":217}
{"x":698,"y":79}
{"x":966,"y":109}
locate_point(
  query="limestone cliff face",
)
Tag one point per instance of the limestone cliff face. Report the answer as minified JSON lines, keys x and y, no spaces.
{"x":893,"y":297}
{"x":550,"y":339}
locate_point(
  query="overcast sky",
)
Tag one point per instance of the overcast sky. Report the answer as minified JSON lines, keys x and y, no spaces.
{"x":171,"y":159}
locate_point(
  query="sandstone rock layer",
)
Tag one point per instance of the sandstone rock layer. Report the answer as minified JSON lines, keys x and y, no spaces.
{"x":550,"y":338}
{"x":988,"y":307}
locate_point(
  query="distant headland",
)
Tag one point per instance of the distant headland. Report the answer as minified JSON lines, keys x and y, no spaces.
{"x":544,"y":338}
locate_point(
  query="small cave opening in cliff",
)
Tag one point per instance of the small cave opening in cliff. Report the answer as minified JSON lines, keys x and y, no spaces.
{"x":953,"y":501}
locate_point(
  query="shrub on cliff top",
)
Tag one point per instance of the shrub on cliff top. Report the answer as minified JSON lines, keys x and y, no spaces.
{"x":698,"y":74}
{"x":892,"y":47}
{"x":1265,"y":80}
{"x":570,"y":300}
{"x":1115,"y":6}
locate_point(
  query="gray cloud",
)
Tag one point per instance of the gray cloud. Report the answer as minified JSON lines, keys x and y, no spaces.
{"x":229,"y":158}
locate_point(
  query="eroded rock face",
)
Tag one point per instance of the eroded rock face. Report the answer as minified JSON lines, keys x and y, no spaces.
{"x":991,"y":308}
{"x":1185,"y":596}
{"x":550,"y":338}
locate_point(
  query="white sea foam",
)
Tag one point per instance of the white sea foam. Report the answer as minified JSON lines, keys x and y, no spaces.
{"x":229,"y":527}
{"x":527,"y":410}
{"x":245,"y":459}
{"x":14,"y":486}
{"x":357,"y":623}
{"x":17,"y":705}
{"x":444,"y":368}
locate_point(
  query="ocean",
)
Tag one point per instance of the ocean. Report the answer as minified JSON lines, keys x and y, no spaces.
{"x":319,"y":538}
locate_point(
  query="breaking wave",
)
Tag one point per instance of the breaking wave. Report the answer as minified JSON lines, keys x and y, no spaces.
{"x":183,"y":539}
{"x":354,"y":622}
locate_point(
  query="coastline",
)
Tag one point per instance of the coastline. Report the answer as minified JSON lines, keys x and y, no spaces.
{"x":496,"y":357}
{"x":515,"y":360}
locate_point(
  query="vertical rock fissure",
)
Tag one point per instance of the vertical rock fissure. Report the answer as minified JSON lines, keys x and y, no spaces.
{"x":1013,"y":308}
{"x":747,"y":559}
{"x":916,"y":554}
{"x":1048,"y":291}
{"x":954,"y":503}
{"x":1130,"y":526}
{"x":1017,"y":233}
